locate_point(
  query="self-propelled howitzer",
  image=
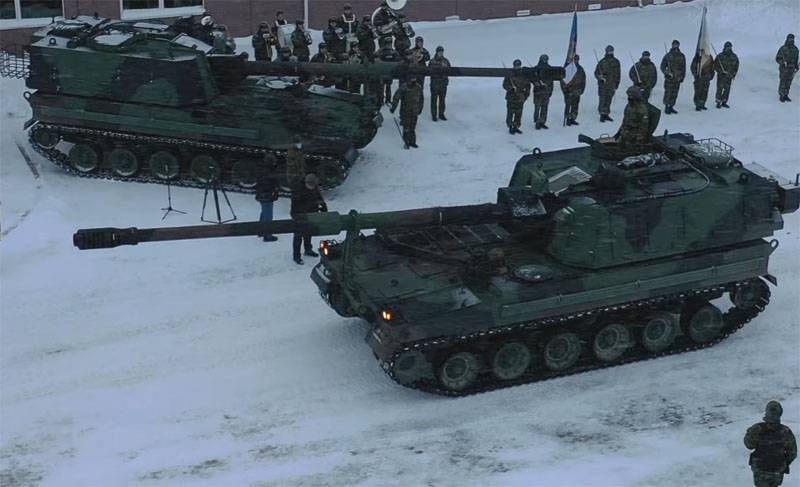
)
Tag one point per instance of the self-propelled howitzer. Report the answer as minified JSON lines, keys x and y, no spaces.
{"x":147,"y":102}
{"x":581,"y":263}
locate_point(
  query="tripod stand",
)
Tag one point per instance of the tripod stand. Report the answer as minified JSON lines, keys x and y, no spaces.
{"x":169,"y":209}
{"x":216,"y":189}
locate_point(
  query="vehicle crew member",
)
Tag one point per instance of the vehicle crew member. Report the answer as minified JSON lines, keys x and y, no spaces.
{"x":263,"y":40}
{"x":518,"y":89}
{"x":300,"y":42}
{"x":634,"y":134}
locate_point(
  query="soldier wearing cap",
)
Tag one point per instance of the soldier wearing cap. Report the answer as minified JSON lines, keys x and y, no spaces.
{"x":300,"y":42}
{"x":608,"y":76}
{"x":439,"y":85}
{"x":518,"y":89}
{"x":727,"y":66}
{"x":703,"y":74}
{"x":787,"y":59}
{"x":542,"y":91}
{"x":366,"y":39}
{"x":354,"y":57}
{"x":419,"y":56}
{"x":644,"y":75}
{"x":334,"y":38}
{"x":306,"y":198}
{"x":262,"y":42}
{"x":774,"y":447}
{"x":673,"y":67}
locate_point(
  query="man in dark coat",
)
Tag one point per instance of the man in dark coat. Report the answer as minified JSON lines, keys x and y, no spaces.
{"x":726,"y":65}
{"x":703,"y":74}
{"x":419,"y":56}
{"x":787,"y":59}
{"x":334,"y":38}
{"x":673,"y":67}
{"x":306,"y":198}
{"x":300,"y":42}
{"x":542,"y":91}
{"x":634,"y":134}
{"x":439,"y":85}
{"x":263,"y":40}
{"x":408,"y":97}
{"x":644,"y":75}
{"x":572,"y":93}
{"x":608,"y":76}
{"x":267,"y":191}
{"x":366,"y":38}
{"x":386,"y":55}
{"x":774,"y":447}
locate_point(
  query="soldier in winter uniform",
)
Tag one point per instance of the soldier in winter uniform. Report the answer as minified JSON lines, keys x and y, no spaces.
{"x":348,"y":22}
{"x":439,"y":85}
{"x":306,"y":198}
{"x":634,"y":134}
{"x":335,"y":40}
{"x":419,"y":56}
{"x":402,"y":43}
{"x":673,"y":67}
{"x":386,"y":55}
{"x":300,"y":42}
{"x":644,"y":75}
{"x":787,"y":60}
{"x":267,"y":190}
{"x":774,"y":448}
{"x":518,"y":89}
{"x":542,"y":91}
{"x":295,"y":163}
{"x":703,"y":74}
{"x":366,"y":39}
{"x":572,"y":93}
{"x":608,"y":76}
{"x":726,"y":65}
{"x":408,"y":97}
{"x":263,"y":40}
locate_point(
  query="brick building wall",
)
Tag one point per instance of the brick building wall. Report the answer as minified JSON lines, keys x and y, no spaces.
{"x":242,"y":16}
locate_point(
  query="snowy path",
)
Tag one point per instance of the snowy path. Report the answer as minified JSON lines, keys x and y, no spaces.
{"x":216,"y":363}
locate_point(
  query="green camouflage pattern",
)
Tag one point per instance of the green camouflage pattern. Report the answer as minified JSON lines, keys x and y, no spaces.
{"x":572,"y":240}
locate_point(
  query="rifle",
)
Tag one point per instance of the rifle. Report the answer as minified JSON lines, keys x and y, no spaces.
{"x":669,"y":70}
{"x":716,"y":59}
{"x":602,"y":78}
{"x":635,"y":68}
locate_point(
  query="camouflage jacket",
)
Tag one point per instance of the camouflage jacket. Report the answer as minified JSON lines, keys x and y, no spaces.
{"x":295,"y":164}
{"x":408,"y":96}
{"x":439,"y":81}
{"x":643,"y":75}
{"x":299,"y":42}
{"x":673,"y":66}
{"x":727,"y":64}
{"x":336,"y":45}
{"x":577,"y":84}
{"x":366,"y":42}
{"x":420,"y":56}
{"x":608,"y":73}
{"x":704,"y":73}
{"x":518,"y":88}
{"x":635,"y":122}
{"x":787,"y":57}
{"x":542,"y":87}
{"x":774,"y":447}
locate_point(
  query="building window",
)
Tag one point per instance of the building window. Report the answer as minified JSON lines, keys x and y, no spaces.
{"x":142,"y":9}
{"x":29,"y":13}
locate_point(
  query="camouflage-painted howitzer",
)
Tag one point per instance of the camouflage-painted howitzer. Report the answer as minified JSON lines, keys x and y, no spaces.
{"x":141,"y":101}
{"x":583,"y":262}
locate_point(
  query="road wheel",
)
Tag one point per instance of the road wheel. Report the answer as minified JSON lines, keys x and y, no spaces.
{"x":84,"y":157}
{"x":705,"y":323}
{"x":750,"y":295}
{"x":511,"y":360}
{"x":123,"y":162}
{"x":411,"y":366}
{"x":562,"y":351}
{"x":164,"y":165}
{"x":611,"y":342}
{"x":659,"y":332}
{"x":46,"y":138}
{"x":244,"y":173}
{"x":205,"y":168}
{"x":459,"y":371}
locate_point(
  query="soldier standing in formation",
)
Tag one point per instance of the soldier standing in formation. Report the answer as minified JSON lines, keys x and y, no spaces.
{"x":408,"y":96}
{"x":787,"y":60}
{"x":366,"y":39}
{"x":542,"y":91}
{"x":608,"y":76}
{"x":726,"y":65}
{"x":439,"y":85}
{"x":419,"y":56}
{"x":673,"y":67}
{"x":306,"y":198}
{"x":572,"y":93}
{"x":300,"y":42}
{"x":644,"y":75}
{"x":518,"y":89}
{"x":267,"y":190}
{"x":703,"y":74}
{"x":334,"y":38}
{"x":386,"y":55}
{"x":263,"y":40}
{"x":634,"y":134}
{"x":295,"y":163}
{"x":774,"y":448}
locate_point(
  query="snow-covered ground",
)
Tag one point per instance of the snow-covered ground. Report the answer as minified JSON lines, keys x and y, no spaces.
{"x":215,"y":362}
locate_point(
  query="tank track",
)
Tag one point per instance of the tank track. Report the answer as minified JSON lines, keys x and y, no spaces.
{"x":61,"y":159}
{"x":733,"y":320}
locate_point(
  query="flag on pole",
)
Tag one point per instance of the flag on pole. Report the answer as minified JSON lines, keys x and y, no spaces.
{"x":569,"y":64}
{"x":703,"y":43}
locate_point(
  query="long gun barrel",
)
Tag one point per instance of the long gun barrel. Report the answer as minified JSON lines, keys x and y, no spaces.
{"x":331,"y":223}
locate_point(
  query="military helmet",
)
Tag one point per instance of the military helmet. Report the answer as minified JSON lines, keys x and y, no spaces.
{"x":439,"y":49}
{"x":634,"y":93}
{"x":645,"y":53}
{"x":790,"y":37}
{"x":517,"y":63}
{"x":728,"y":44}
{"x":332,"y":20}
{"x":609,"y":48}
{"x":676,"y":43}
{"x":419,"y":39}
{"x":347,"y":6}
{"x":544,"y":58}
{"x":773,"y":412}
